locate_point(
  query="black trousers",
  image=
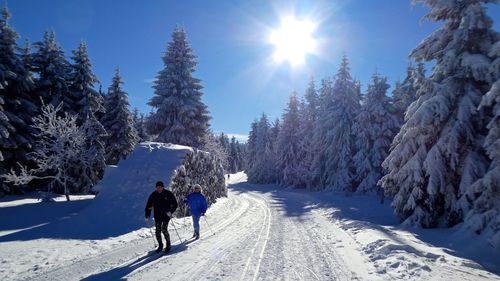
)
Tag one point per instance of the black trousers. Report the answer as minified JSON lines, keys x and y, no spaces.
{"x":162,"y":227}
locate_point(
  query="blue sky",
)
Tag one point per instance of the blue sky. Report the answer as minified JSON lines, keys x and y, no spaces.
{"x":230,"y":38}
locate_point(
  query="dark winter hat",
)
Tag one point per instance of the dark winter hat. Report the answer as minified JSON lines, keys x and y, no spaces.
{"x":159,"y":183}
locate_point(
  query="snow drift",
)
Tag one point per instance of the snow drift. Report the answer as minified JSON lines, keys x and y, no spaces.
{"x":125,"y":188}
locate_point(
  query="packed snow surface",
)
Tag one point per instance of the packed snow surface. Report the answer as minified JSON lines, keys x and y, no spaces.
{"x":259,"y":232}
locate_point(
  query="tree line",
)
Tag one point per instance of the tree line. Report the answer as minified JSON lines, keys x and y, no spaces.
{"x":56,"y":128}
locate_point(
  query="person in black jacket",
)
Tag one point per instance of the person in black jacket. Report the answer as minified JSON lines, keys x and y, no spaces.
{"x":164,"y":204}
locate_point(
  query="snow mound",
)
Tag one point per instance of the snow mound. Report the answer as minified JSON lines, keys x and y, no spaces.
{"x":125,"y":188}
{"x":118,"y":208}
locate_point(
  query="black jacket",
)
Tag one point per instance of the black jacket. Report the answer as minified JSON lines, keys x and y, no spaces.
{"x":162,"y":203}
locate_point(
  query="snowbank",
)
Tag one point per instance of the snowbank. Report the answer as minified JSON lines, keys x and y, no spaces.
{"x":124,"y":190}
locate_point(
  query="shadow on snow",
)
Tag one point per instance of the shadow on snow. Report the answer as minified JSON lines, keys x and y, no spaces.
{"x":64,"y":220}
{"x":118,"y":273}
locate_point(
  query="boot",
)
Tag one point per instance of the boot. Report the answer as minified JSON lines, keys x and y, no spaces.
{"x":160,"y":247}
{"x":197,"y":234}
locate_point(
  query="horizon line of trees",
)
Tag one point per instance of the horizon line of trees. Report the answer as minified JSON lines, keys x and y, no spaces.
{"x":434,"y":145}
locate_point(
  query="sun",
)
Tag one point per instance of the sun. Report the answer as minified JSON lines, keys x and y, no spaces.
{"x":293,"y":40}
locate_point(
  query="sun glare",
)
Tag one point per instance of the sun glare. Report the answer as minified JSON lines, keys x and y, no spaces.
{"x":293,"y":40}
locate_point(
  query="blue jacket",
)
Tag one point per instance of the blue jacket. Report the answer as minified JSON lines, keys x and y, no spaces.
{"x":197,"y":203}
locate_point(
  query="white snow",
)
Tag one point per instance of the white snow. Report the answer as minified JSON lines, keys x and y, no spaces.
{"x":259,"y":232}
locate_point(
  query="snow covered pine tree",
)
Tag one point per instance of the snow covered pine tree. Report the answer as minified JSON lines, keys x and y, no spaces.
{"x":438,"y":153}
{"x":181,"y":117}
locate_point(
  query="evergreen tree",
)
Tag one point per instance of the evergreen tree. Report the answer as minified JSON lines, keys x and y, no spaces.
{"x":139,"y":123}
{"x":308,"y":112}
{"x":375,"y":127}
{"x":4,"y":130}
{"x":288,"y":144}
{"x":101,"y":108}
{"x":181,"y":117}
{"x":82,"y":80}
{"x":122,"y":136}
{"x":224,"y":141}
{"x":339,"y":170}
{"x":213,"y":146}
{"x":27,"y":58}
{"x":199,"y":167}
{"x":262,"y":169}
{"x":405,"y":92}
{"x":53,"y":72}
{"x":16,"y":102}
{"x":242,"y":155}
{"x":312,"y":100}
{"x":271,"y":153}
{"x":484,"y":193}
{"x":437,"y":154}
{"x":234,"y":158}
{"x":251,"y":147}
{"x":321,"y":126}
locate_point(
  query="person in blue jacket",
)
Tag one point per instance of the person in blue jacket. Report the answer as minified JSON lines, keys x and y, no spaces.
{"x":198,"y":206}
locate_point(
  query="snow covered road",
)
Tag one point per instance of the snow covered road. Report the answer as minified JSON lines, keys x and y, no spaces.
{"x":258,"y":241}
{"x":260,"y":232}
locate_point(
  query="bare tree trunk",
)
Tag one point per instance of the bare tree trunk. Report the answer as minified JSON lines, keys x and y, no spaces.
{"x":66,"y":192}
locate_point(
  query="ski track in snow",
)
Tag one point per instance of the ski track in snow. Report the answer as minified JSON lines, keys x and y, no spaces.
{"x":254,"y":241}
{"x":255,"y":234}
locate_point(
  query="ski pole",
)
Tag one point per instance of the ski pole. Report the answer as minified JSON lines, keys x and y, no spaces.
{"x":176,"y":231}
{"x":208,"y":225}
{"x":151,"y":230}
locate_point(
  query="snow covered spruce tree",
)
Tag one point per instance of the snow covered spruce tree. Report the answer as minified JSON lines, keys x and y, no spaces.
{"x":199,"y":167}
{"x":288,"y":144}
{"x":484,"y":217}
{"x":213,"y":146}
{"x":308,"y":111}
{"x":274,"y":174}
{"x":251,"y":147}
{"x":53,"y":72}
{"x":139,"y":123}
{"x":339,"y":148}
{"x":181,"y":117}
{"x":321,"y":127}
{"x":438,"y":153}
{"x":375,"y":127}
{"x":121,"y":134}
{"x":405,"y":92}
{"x":262,"y":143}
{"x":235,"y":157}
{"x":91,"y":102}
{"x":222,"y":143}
{"x":16,"y":101}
